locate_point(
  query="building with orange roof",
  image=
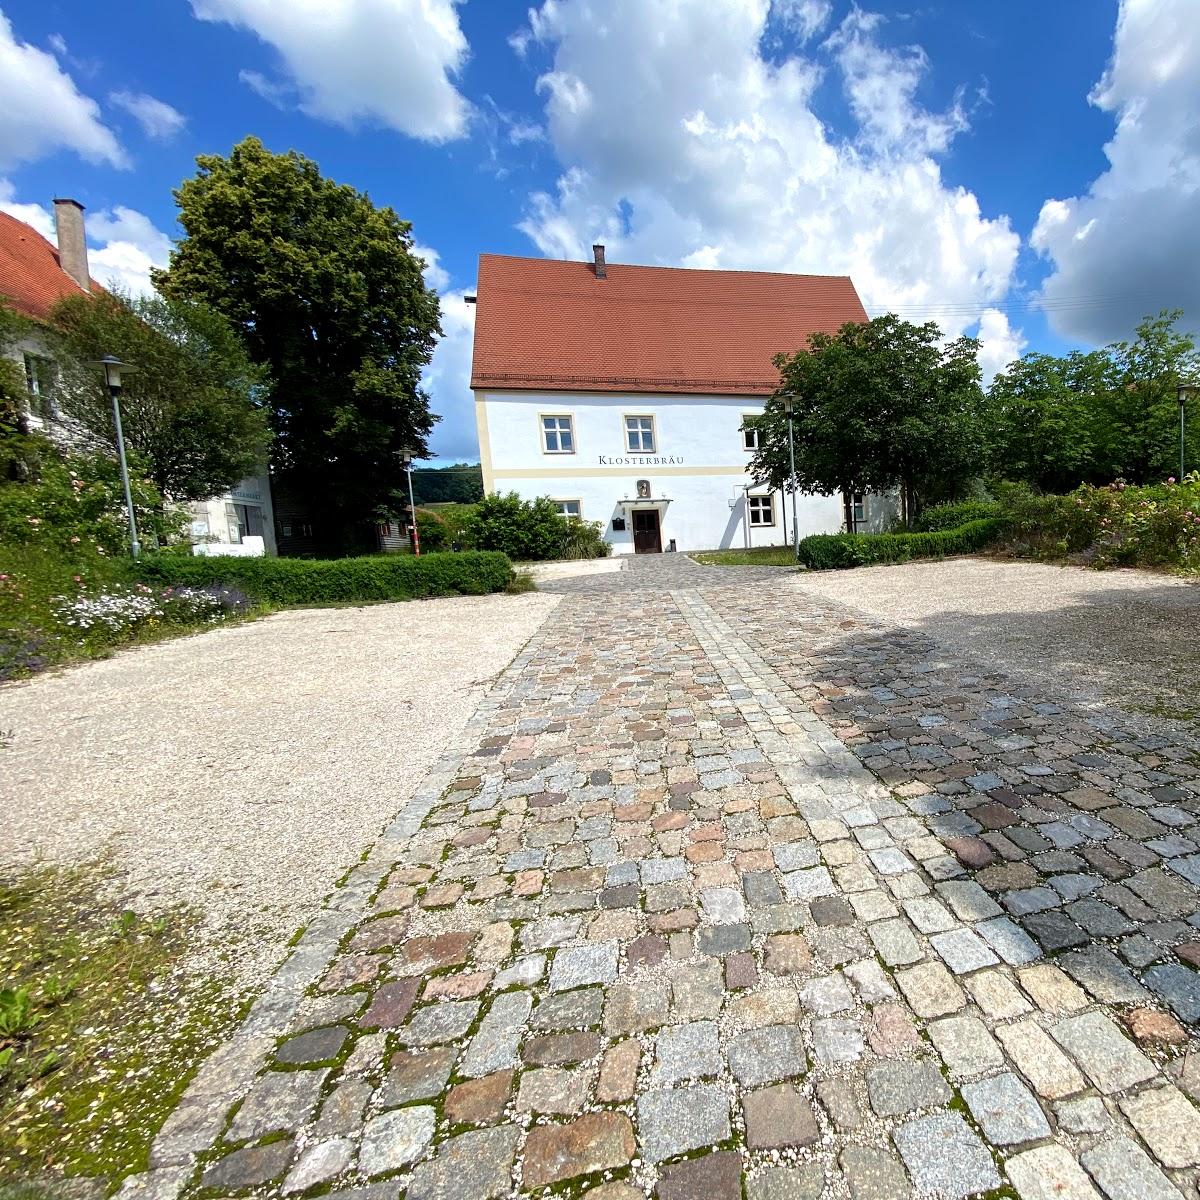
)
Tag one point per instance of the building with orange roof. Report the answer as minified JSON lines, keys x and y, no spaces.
{"x":623,"y":392}
{"x":34,"y":275}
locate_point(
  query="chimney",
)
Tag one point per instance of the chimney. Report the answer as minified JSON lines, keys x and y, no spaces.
{"x":72,"y":245}
{"x":598,"y":256}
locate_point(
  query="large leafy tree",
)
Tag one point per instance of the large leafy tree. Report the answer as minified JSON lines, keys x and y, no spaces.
{"x":193,"y":410}
{"x":328,"y":295}
{"x":877,"y":405}
{"x":1144,"y":405}
{"x":1047,"y":420}
{"x":1096,"y":416}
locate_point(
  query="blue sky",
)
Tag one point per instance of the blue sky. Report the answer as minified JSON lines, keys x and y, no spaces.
{"x":1026,"y":171}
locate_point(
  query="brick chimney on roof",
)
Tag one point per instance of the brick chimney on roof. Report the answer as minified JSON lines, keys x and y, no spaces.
{"x":598,"y":257}
{"x":72,"y":242}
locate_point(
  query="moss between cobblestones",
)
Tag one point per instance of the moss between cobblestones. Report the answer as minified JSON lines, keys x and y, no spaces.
{"x":206,"y":1158}
{"x":346,"y":876}
{"x":579,"y":1185}
{"x":294,"y":940}
{"x":118,"y":1025}
{"x":1005,"y":1191}
{"x":1166,"y":710}
{"x":336,"y":1061}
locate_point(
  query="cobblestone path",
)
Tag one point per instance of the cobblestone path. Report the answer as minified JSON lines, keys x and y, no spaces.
{"x":724,"y":889}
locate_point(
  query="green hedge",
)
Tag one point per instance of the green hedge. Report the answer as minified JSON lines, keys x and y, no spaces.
{"x":832,"y":551}
{"x":954,"y":516}
{"x":288,"y":581}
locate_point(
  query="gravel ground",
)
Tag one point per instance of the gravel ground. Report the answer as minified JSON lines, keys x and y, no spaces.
{"x":242,"y":771}
{"x":1126,"y":637}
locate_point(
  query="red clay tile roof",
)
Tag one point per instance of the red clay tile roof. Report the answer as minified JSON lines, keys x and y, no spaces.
{"x":544,"y":324}
{"x":30,"y":278}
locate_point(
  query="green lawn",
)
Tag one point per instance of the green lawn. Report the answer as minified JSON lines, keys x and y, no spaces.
{"x":758,"y":556}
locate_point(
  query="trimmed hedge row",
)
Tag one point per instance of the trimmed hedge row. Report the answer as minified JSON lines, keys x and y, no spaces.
{"x":289,"y":581}
{"x":833,"y":551}
{"x":955,"y":515}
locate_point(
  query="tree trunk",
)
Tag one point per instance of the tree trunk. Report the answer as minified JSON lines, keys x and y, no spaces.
{"x":848,"y":509}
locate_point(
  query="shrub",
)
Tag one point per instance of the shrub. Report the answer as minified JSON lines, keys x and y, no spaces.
{"x":290,"y":581}
{"x":1148,"y":526}
{"x":77,"y":500}
{"x":584,"y":539}
{"x":445,"y":527}
{"x":1110,"y":526}
{"x":955,"y":515}
{"x":831,"y":551}
{"x":525,"y":530}
{"x":532,"y":530}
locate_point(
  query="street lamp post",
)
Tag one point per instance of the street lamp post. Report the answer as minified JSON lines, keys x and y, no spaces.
{"x":1183,"y":391}
{"x":406,"y":462}
{"x":113,"y":368}
{"x":789,"y":405}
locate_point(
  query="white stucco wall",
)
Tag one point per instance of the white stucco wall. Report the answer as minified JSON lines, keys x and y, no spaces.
{"x":699,"y":466}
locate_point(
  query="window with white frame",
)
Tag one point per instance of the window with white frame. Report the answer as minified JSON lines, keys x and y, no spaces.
{"x":568,"y":508}
{"x":558,"y":434}
{"x":751,"y":435}
{"x":762,"y":509}
{"x":39,"y":383}
{"x":859,"y":503}
{"x":639,"y":435}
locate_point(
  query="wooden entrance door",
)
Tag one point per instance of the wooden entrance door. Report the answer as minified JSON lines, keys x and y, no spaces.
{"x":647,"y":533}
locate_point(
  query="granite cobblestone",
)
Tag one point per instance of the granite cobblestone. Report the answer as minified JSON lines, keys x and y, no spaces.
{"x":768,"y":879}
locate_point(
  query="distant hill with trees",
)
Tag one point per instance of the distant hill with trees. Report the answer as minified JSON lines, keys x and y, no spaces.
{"x":461,"y":483}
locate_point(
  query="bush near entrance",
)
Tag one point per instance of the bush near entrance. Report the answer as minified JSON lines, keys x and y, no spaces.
{"x":832,"y":551}
{"x":532,"y":530}
{"x":291,"y":581}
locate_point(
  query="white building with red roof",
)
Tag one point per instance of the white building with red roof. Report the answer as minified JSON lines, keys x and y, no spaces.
{"x":622,"y":392}
{"x":34,"y":275}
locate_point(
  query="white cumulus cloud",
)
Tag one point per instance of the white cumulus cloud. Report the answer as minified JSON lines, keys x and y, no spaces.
{"x":681,"y":143}
{"x":42,"y":111}
{"x":32,"y":214}
{"x":157,"y":118}
{"x":1130,"y":244}
{"x":390,"y":62}
{"x":126,"y":244}
{"x":273,"y":92}
{"x":999,"y":343}
{"x":436,"y":276}
{"x":805,"y":18}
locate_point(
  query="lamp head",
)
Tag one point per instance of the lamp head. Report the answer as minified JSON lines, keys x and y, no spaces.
{"x":789,"y":402}
{"x":112,"y":368}
{"x":1184,"y":390}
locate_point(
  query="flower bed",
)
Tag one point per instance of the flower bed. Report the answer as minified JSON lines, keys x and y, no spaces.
{"x":123,"y":611}
{"x":1118,"y":525}
{"x":53,"y":609}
